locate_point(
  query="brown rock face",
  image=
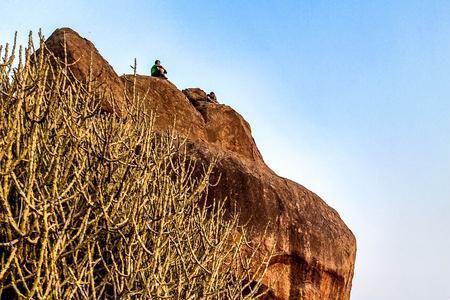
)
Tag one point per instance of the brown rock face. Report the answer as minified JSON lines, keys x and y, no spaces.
{"x":170,"y":106}
{"x":85,"y":61}
{"x":314,"y":249}
{"x":224,"y":126}
{"x":195,"y":95}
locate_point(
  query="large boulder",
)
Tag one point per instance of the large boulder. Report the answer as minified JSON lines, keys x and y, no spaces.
{"x":314,"y":250}
{"x":195,"y":95}
{"x":224,"y":126}
{"x":85,"y":62}
{"x":169,"y":106}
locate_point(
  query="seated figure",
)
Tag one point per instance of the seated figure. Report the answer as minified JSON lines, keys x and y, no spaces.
{"x":158,"y":70}
{"x":212,"y":97}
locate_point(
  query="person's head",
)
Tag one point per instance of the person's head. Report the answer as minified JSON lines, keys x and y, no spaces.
{"x":157,"y":62}
{"x":212,"y":94}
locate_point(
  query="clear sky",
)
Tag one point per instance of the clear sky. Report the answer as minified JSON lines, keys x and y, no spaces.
{"x":349,"y":98}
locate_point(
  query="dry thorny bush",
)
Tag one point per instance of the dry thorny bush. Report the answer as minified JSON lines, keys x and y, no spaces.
{"x":96,"y":206}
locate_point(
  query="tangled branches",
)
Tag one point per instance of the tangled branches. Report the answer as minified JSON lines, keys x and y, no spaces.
{"x":94,"y":206}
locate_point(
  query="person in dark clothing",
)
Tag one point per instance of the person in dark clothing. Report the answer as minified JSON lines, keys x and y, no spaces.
{"x":212,"y":97}
{"x":158,"y":70}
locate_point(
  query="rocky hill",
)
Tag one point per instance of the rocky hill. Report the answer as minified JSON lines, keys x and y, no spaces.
{"x":314,"y":250}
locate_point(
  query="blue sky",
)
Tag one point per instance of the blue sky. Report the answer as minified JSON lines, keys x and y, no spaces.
{"x":349,"y":98}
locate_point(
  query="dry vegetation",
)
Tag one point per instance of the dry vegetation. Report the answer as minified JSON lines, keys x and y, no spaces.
{"x":94,"y":206}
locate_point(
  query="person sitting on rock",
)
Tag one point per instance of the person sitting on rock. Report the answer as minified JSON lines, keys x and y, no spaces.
{"x":212,"y":97}
{"x":158,"y":70}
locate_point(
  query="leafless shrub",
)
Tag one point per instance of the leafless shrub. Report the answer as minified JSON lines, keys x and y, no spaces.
{"x":94,"y":206}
